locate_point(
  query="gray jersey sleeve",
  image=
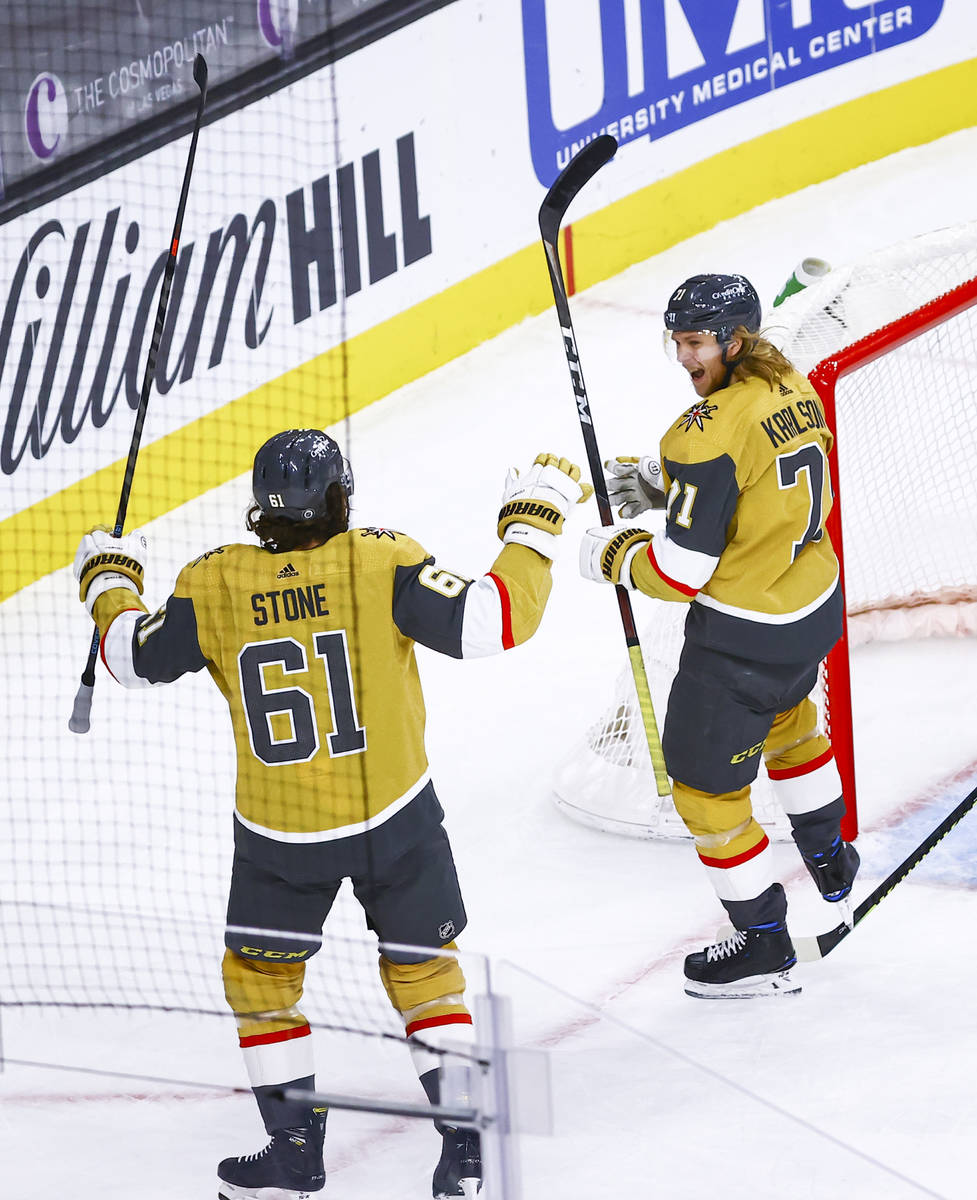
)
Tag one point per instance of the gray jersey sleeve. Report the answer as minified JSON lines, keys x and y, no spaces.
{"x":164,"y":643}
{"x":702,"y":503}
{"x":429,"y":606}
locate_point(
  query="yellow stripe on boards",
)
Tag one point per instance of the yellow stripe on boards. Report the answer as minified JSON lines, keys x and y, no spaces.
{"x":171,"y":471}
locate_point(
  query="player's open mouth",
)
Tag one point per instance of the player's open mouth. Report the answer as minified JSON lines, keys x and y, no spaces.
{"x":697,"y":373}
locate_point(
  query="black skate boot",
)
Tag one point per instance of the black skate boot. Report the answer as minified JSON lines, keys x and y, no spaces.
{"x":289,"y":1168}
{"x":459,"y":1173}
{"x":834,"y":869}
{"x":751,"y":962}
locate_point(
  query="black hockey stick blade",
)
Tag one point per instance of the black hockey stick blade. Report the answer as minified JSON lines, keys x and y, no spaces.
{"x":576,"y":174}
{"x":809,"y":949}
{"x":200,"y":72}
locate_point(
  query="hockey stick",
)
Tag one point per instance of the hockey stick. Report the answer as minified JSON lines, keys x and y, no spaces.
{"x":810,"y":949}
{"x":81,"y":712}
{"x":579,"y":170}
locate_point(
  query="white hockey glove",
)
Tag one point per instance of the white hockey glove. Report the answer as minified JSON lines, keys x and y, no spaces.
{"x":606,"y":553}
{"x":535,"y":504}
{"x":634,"y":484}
{"x":104,"y":562}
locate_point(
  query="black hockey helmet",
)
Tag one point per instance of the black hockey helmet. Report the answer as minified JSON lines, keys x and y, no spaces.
{"x":717,"y":303}
{"x":293,"y":471}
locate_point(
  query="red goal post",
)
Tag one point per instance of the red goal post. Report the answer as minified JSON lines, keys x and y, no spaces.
{"x":890,"y":344}
{"x":826,"y":377}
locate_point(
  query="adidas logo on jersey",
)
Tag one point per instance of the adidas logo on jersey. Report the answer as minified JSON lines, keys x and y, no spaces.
{"x":287,"y":572}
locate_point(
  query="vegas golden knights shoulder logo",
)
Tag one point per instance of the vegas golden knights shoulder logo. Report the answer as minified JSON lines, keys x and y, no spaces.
{"x":696,"y":415}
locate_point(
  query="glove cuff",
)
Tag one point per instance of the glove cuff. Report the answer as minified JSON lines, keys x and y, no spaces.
{"x":618,"y":554}
{"x":520,"y":534}
{"x":106,"y":581}
{"x":539,"y":513}
{"x":113,"y":561}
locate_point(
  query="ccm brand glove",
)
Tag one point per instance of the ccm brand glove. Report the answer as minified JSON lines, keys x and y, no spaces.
{"x":634,"y":484}
{"x":534,"y":505}
{"x":606,"y":553}
{"x":104,"y":562}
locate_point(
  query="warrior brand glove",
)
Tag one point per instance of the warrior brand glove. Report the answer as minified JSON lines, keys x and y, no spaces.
{"x":534,"y":505}
{"x":635,"y":484}
{"x":606,"y":553}
{"x":104,"y":562}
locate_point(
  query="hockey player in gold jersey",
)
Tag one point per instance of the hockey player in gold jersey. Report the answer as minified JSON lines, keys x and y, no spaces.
{"x":310,"y":637}
{"x":743,"y":480}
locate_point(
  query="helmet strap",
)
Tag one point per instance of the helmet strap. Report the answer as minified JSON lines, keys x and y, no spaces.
{"x":730,"y":366}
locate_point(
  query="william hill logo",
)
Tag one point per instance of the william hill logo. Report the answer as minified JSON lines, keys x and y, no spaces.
{"x":78,"y":319}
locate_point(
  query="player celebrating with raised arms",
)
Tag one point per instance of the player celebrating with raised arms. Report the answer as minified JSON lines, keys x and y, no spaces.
{"x":310,"y":637}
{"x":743,"y":479}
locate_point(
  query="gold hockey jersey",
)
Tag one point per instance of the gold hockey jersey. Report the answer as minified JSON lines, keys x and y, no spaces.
{"x":313,"y":651}
{"x":748,"y":491}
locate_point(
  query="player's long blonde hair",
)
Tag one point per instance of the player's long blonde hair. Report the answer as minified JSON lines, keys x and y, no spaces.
{"x":758,"y":357}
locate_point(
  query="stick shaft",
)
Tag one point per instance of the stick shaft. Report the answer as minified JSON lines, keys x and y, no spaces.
{"x":817,"y":947}
{"x":79,"y":721}
{"x":578,"y":171}
{"x":200,"y":75}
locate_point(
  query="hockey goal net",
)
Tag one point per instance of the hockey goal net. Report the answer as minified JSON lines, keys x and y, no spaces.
{"x":890,"y":343}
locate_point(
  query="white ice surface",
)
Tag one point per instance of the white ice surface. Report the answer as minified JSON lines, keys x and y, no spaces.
{"x":862,"y":1087}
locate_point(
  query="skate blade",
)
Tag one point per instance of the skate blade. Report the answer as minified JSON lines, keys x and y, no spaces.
{"x":750,"y":988}
{"x":469,"y":1189}
{"x":231,"y":1191}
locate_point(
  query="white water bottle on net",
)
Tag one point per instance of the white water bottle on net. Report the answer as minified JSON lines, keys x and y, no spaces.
{"x":890,"y":343}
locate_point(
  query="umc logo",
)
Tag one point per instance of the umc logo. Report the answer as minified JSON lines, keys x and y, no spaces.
{"x":645,"y":68}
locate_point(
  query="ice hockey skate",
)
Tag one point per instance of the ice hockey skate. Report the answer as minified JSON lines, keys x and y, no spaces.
{"x":289,"y":1168}
{"x":834,"y":869}
{"x":751,"y":962}
{"x":459,"y":1171}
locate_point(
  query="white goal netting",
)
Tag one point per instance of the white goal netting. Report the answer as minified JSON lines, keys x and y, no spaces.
{"x":906,"y":428}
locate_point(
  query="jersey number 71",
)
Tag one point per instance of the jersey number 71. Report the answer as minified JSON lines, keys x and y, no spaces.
{"x":806,"y":465}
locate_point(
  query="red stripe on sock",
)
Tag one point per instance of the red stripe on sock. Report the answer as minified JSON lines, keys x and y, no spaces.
{"x":268,"y":1039}
{"x":507,"y":640}
{"x":737,"y":858}
{"x":803,"y":769}
{"x":431,"y":1022}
